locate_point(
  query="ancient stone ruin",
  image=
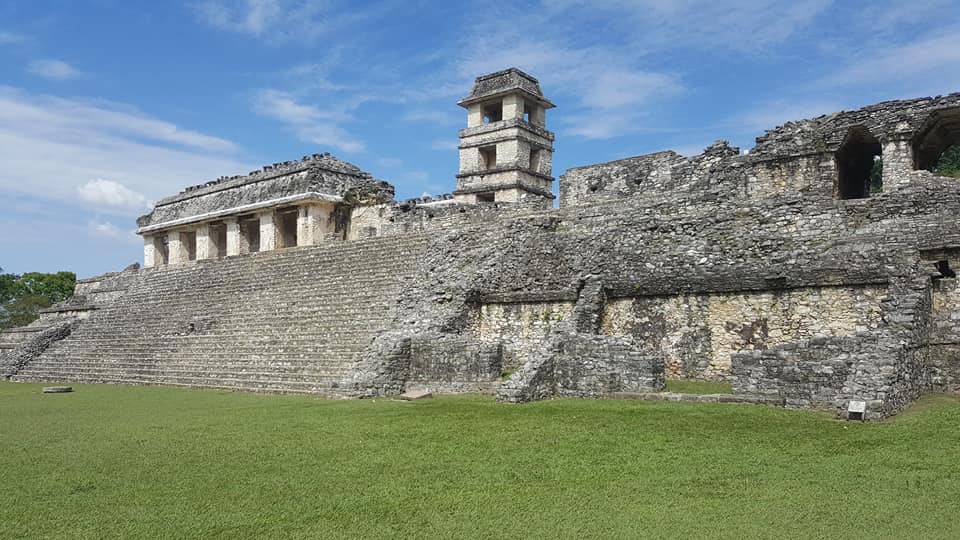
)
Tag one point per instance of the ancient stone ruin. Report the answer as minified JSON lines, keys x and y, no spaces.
{"x":794,"y":271}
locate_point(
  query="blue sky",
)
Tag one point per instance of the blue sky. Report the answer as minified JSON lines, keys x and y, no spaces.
{"x":106,"y":105}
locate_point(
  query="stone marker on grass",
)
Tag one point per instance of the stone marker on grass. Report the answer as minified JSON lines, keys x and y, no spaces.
{"x":57,"y":389}
{"x":415,"y":395}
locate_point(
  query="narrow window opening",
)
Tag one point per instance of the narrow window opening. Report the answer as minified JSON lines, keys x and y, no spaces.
{"x":218,"y":236}
{"x":189,"y":240}
{"x":493,"y":112}
{"x":857,"y":160}
{"x":163,"y":250}
{"x":535,"y":157}
{"x":251,"y":233}
{"x":488,"y":157}
{"x":288,"y":227}
{"x":485,"y":197}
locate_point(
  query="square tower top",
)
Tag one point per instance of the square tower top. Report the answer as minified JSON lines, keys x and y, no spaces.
{"x":508,"y":81}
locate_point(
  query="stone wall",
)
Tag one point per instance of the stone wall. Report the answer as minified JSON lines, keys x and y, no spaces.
{"x":943,"y":345}
{"x":697,"y":333}
{"x":520,"y":327}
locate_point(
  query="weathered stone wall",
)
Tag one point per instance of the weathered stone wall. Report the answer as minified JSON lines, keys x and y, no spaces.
{"x":453,"y":363}
{"x":520,"y":327}
{"x":797,"y":157}
{"x":943,"y":345}
{"x":697,"y":333}
{"x":571,"y":364}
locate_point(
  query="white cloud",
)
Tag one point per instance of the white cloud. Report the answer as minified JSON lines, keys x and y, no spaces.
{"x":49,"y":146}
{"x":771,"y":114}
{"x":55,"y":70}
{"x":330,"y":135}
{"x":109,"y":230}
{"x":603,"y":80}
{"x":934,"y":60}
{"x":284,"y":107}
{"x":308,"y":122}
{"x":280,"y":21}
{"x":112,"y":194}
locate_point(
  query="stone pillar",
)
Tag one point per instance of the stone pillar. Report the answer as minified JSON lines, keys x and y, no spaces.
{"x":270,"y":238}
{"x":897,"y":163}
{"x":206,"y":247}
{"x":312,"y":222}
{"x":177,"y":247}
{"x":236,"y":243}
{"x":150,"y":255}
{"x":512,"y":107}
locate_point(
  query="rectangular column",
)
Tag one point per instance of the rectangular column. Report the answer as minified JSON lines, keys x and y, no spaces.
{"x":150,"y":254}
{"x":177,"y":247}
{"x":235,"y":240}
{"x":205,"y":243}
{"x":512,"y":107}
{"x":269,"y":231}
{"x":897,"y":164}
{"x":312,"y":221}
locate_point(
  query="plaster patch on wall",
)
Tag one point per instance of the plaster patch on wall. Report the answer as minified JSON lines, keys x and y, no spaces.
{"x":521,"y":326}
{"x":697,"y":333}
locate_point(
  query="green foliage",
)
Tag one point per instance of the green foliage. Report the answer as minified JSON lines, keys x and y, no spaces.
{"x":949,"y":163}
{"x":876,"y":176}
{"x":21,"y":297}
{"x":152,"y":462}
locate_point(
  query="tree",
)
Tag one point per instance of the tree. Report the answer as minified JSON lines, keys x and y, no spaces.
{"x":22,"y":297}
{"x":949,"y":163}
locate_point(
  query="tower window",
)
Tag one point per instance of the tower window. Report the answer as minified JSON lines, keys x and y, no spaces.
{"x":535,"y":156}
{"x":935,"y":146}
{"x":857,"y":161}
{"x":488,"y":157}
{"x":493,"y":112}
{"x":488,"y":197}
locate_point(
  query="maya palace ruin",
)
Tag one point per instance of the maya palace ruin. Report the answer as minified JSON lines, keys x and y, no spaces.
{"x":780,"y":270}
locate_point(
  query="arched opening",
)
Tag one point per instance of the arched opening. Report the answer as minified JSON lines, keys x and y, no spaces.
{"x":935,"y":147}
{"x":859,"y":164}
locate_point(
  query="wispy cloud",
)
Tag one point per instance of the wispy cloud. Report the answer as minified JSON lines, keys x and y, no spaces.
{"x":109,"y":230}
{"x":54,"y":70}
{"x":9,"y":37}
{"x":280,"y":21}
{"x":932,"y":59}
{"x":741,"y":25}
{"x":51,"y":147}
{"x":308,"y":122}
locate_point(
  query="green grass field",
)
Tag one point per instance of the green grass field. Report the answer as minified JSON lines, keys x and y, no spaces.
{"x":150,"y":462}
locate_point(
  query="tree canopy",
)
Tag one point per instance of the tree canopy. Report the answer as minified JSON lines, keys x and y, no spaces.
{"x":949,"y":164}
{"x":23,"y":296}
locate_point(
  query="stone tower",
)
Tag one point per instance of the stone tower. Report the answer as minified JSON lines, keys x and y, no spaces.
{"x":506,"y":153}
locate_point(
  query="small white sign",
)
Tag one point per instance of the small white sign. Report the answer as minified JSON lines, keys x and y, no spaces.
{"x":855,"y":406}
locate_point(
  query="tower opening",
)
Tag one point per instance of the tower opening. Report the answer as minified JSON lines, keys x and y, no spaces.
{"x":535,"y":156}
{"x":934,"y":142}
{"x":493,"y":112}
{"x":858,"y":159}
{"x":488,"y":157}
{"x":287,"y":222}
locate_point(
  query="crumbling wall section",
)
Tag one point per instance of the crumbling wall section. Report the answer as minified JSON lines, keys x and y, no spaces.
{"x":697,"y":333}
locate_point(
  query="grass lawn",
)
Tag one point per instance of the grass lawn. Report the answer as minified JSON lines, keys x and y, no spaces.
{"x":697,"y":387}
{"x":151,"y":462}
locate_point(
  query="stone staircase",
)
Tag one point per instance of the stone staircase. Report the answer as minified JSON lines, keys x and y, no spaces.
{"x":290,"y":321}
{"x":13,"y":338}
